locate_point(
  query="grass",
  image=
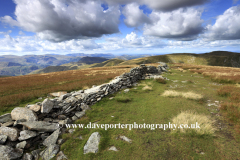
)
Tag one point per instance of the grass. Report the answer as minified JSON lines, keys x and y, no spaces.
{"x":187,"y":95}
{"x":22,"y":89}
{"x":160,"y":80}
{"x":150,"y":108}
{"x":191,"y":119}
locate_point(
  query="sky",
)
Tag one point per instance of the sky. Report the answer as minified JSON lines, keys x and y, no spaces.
{"x":118,"y":26}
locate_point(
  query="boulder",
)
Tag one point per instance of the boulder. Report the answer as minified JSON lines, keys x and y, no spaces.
{"x":47,"y":106}
{"x":23,"y":113}
{"x":41,"y":126}
{"x":5,"y":118}
{"x":3,"y":139}
{"x":50,"y":152}
{"x":27,"y":156}
{"x":34,"y":107}
{"x":52,"y":139}
{"x":7,"y":152}
{"x":92,"y":144}
{"x":11,"y":133}
{"x":21,"y":145}
{"x":113,"y":148}
{"x":26,"y":134}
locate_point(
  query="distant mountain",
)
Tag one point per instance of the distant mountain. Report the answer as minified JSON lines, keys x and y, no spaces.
{"x":88,"y":62}
{"x":91,"y":60}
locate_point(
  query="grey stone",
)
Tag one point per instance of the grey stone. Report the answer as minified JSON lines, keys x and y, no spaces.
{"x":11,"y":133}
{"x":80,"y":114}
{"x":7,"y":153}
{"x":26,"y":134}
{"x":85,"y":107}
{"x":7,"y":124}
{"x":60,"y":141}
{"x":126,"y":139}
{"x":113,"y":148}
{"x":71,"y":130}
{"x":92,"y":144}
{"x":70,"y":100}
{"x":126,"y":90}
{"x":52,"y":139}
{"x":62,"y":97}
{"x":74,"y":118}
{"x":66,"y":121}
{"x":27,"y":156}
{"x":61,"y":156}
{"x":62,"y":117}
{"x":21,"y":145}
{"x":57,"y":94}
{"x":35,"y":154}
{"x":50,"y":152}
{"x":16,"y":123}
{"x":47,"y":106}
{"x":41,"y":126}
{"x":34,"y":107}
{"x":3,"y":139}
{"x":23,"y":113}
{"x":5,"y":118}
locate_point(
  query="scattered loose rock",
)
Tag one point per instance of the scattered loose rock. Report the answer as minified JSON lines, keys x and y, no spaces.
{"x":126,"y":139}
{"x":113,"y":148}
{"x":92,"y":144}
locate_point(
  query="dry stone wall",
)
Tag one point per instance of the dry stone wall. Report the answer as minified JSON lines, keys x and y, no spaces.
{"x":38,"y":125}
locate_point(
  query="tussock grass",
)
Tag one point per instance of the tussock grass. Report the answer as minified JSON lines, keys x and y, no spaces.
{"x":160,"y":80}
{"x":147,"y":88}
{"x":187,"y":95}
{"x":123,"y":99}
{"x":189,"y":117}
{"x":217,"y":74}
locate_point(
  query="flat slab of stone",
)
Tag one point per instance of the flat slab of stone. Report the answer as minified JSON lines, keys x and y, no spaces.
{"x":7,"y":152}
{"x":40,"y":126}
{"x":57,"y":94}
{"x":52,"y":139}
{"x":50,"y":152}
{"x":11,"y":133}
{"x":26,"y":134}
{"x":47,"y":106}
{"x":5,"y":118}
{"x":92,"y":144}
{"x":23,"y":113}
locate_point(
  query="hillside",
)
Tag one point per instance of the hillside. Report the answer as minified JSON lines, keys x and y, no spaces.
{"x":217,"y":58}
{"x":85,"y":62}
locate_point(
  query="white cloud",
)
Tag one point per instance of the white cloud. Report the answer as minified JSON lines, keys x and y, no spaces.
{"x":8,"y":32}
{"x":59,"y":20}
{"x":21,"y":33}
{"x":134,"y":16}
{"x":183,"y":24}
{"x":227,"y":26}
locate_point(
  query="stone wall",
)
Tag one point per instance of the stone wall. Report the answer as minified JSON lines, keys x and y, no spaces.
{"x":38,"y":125}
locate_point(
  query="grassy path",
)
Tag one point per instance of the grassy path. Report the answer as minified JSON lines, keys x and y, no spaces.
{"x":148,"y":106}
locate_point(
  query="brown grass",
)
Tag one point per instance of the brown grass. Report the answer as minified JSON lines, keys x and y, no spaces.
{"x":218,"y":74}
{"x":187,"y":95}
{"x":16,"y":90}
{"x":160,"y":80}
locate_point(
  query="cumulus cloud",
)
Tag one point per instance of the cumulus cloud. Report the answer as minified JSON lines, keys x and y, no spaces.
{"x":182,"y":24}
{"x":226,"y":27}
{"x":60,"y":20}
{"x":134,"y":16}
{"x":162,"y":5}
{"x":132,"y":40}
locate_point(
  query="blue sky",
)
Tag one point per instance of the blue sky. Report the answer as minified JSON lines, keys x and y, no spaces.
{"x":118,"y":26}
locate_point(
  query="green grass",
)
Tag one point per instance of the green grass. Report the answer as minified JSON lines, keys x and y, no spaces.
{"x":148,"y":106}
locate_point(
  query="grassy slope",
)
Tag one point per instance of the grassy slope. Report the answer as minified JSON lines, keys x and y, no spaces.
{"x":150,"y":107}
{"x":218,"y":58}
